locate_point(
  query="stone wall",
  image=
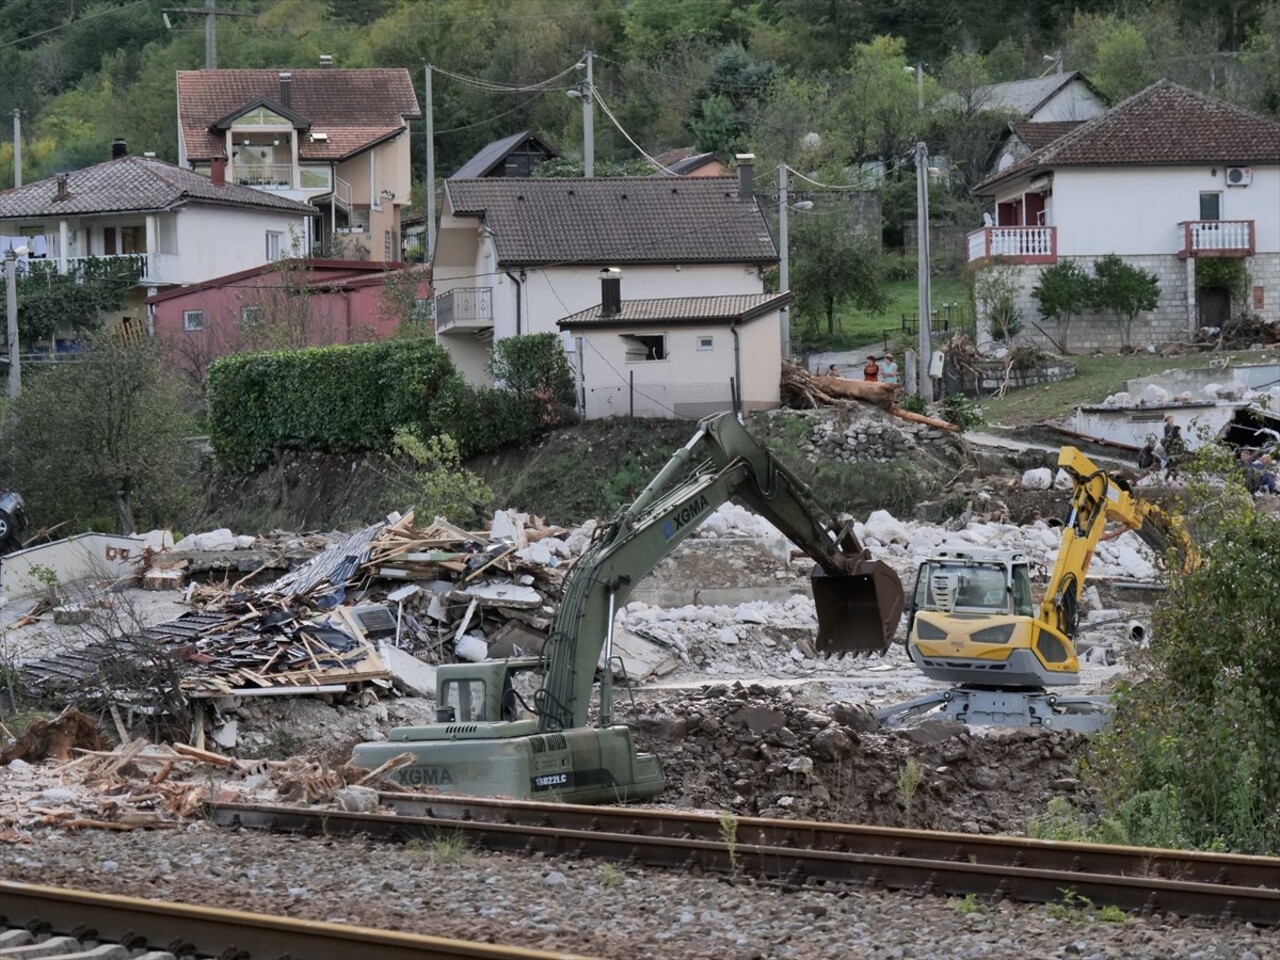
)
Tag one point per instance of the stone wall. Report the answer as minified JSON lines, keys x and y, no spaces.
{"x":1174,"y":317}
{"x":991,"y":376}
{"x":868,"y":435}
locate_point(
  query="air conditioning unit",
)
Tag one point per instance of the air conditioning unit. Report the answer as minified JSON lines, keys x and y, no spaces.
{"x":1239,"y":176}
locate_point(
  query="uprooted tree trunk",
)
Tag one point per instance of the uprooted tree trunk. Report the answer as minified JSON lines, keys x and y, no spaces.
{"x":806,"y":390}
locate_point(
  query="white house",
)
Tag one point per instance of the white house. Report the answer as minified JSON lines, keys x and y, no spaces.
{"x":516,"y":256}
{"x":676,"y":356}
{"x":182,"y":227}
{"x":1166,"y":179}
{"x":1056,"y":97}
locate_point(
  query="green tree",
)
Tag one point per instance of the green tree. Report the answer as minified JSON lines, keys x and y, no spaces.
{"x":1200,"y":724}
{"x":1124,"y":290}
{"x":91,"y":287}
{"x":438,"y":485}
{"x":878,"y":112}
{"x":832,"y":268}
{"x":104,"y":434}
{"x":536,"y":370}
{"x":995,"y":295}
{"x":1063,"y":291}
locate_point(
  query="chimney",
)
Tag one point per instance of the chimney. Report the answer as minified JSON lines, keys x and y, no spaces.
{"x":746,"y":176}
{"x":119,"y":148}
{"x":62,"y":188}
{"x":286,"y":82}
{"x":610,"y":292}
{"x":218,"y":171}
{"x":326,"y":60}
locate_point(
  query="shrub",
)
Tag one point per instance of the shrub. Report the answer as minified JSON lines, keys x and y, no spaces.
{"x":332,"y":399}
{"x":1063,"y":291}
{"x":1125,"y":290}
{"x":536,"y":370}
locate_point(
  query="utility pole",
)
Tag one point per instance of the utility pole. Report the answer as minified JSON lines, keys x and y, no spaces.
{"x":211,"y":13}
{"x":784,"y":266}
{"x":210,"y":36}
{"x":588,"y":122}
{"x":922,"y":253}
{"x":431,"y":166}
{"x":11,"y":308}
{"x":17,"y":147}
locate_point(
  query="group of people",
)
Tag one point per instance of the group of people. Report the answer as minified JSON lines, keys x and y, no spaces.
{"x":1259,"y":471}
{"x":1260,"y":475}
{"x":1166,"y":453}
{"x":882,"y":369}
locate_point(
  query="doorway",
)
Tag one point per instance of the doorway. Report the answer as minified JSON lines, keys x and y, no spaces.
{"x":1213,"y":306}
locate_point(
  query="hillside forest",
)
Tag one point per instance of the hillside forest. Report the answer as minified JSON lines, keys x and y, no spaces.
{"x":830,"y":86}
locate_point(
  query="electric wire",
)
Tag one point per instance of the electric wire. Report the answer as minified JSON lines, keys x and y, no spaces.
{"x":595,"y":91}
{"x":494,"y":86}
{"x":71,"y":23}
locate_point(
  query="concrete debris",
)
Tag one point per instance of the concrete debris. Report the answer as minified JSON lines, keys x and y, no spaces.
{"x":1040,"y":478}
{"x":214,"y":540}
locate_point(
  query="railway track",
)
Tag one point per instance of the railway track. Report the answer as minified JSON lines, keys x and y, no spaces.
{"x":54,"y":922}
{"x":1186,"y":883}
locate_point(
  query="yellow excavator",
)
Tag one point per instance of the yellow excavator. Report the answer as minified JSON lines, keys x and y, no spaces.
{"x":973,"y":621}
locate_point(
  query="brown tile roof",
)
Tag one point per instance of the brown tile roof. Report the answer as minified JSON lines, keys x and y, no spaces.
{"x":355,"y":108}
{"x":1165,"y":124}
{"x":682,"y":310}
{"x":134,"y":184}
{"x":1037,"y":135}
{"x":616,"y":220}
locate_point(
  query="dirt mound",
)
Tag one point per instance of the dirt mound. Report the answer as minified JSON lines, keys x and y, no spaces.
{"x":758,"y":750}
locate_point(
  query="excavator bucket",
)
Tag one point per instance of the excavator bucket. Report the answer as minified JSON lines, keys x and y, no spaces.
{"x":858,"y":612}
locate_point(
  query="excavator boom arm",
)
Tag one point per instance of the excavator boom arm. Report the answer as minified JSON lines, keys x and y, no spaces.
{"x":859,"y":600}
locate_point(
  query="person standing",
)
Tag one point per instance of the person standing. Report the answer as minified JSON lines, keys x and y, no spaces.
{"x":888,"y":369}
{"x":871,"y":372}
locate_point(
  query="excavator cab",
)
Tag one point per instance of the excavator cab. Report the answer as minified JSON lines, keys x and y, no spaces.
{"x":858,"y":611}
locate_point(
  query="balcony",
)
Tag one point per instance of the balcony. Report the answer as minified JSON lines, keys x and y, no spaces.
{"x":278,"y":175}
{"x":1014,"y":245}
{"x":1217,"y":238}
{"x":464,"y":309}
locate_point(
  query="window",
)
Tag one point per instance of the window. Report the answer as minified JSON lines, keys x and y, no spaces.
{"x":167,"y":233}
{"x":641,"y":348}
{"x":133,"y":240}
{"x":261,"y":117}
{"x":315,"y":178}
{"x":706,"y":343}
{"x":275,"y":243}
{"x":465,"y":700}
{"x":192,"y":320}
{"x":1210,"y":206}
{"x":250,"y":317}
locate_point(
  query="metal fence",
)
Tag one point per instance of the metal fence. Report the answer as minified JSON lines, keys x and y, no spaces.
{"x":948,"y":319}
{"x":682,"y":401}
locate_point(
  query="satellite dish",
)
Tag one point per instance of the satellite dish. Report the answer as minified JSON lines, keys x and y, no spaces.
{"x":1006,"y":161}
{"x":987,"y":221}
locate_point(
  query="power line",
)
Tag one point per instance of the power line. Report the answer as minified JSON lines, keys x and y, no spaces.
{"x":614,"y":120}
{"x":486,"y":121}
{"x":493,"y":86}
{"x":72,"y":23}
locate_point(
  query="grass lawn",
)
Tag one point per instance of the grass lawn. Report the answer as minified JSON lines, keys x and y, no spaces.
{"x":1096,"y":377}
{"x":856,"y":328}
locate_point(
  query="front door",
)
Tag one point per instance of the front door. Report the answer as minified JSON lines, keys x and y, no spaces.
{"x":1213,"y":306}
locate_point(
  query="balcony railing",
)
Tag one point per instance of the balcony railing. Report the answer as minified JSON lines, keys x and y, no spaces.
{"x":264,"y":174}
{"x":1014,"y":244}
{"x":464,"y":308}
{"x":1217,"y":238}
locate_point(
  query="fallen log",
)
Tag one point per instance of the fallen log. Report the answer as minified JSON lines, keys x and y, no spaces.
{"x":921,"y":418}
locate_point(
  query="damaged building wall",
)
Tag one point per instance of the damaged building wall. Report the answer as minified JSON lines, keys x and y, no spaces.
{"x":86,"y":556}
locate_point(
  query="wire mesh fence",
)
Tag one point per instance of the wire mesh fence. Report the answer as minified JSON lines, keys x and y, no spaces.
{"x":681,"y":401}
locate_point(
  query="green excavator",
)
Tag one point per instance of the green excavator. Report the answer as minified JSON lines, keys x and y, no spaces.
{"x":492,"y":740}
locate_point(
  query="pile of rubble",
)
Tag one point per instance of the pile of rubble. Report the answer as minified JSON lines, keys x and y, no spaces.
{"x":759,"y":750}
{"x":59,"y":774}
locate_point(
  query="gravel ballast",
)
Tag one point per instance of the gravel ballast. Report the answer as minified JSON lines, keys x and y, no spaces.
{"x":588,"y":906}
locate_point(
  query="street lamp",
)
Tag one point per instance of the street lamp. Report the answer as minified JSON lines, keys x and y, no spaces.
{"x":918,"y":70}
{"x":11,"y":305}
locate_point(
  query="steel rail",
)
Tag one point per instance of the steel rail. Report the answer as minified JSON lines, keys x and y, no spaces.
{"x":185,"y":928}
{"x":1190,"y":865}
{"x":793,"y":865}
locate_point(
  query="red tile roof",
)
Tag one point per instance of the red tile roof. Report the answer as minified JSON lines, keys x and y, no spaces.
{"x":1040,"y":134}
{"x":1165,"y":124}
{"x":354,"y":108}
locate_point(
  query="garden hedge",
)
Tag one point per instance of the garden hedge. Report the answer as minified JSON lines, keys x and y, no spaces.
{"x":334,"y":399}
